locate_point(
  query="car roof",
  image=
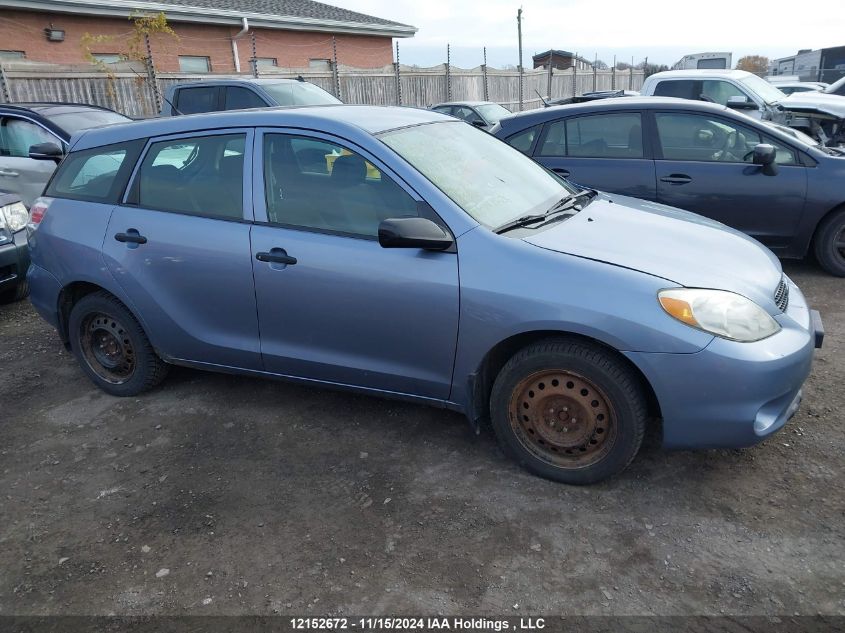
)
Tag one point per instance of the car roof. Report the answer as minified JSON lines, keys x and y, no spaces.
{"x":265,"y":81}
{"x":531,"y":117}
{"x":463,"y":103}
{"x":337,"y":119}
{"x":53,"y":107}
{"x":699,"y":72}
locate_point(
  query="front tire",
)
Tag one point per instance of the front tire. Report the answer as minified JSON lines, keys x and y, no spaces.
{"x":830,"y":244}
{"x":569,"y":411}
{"x":112,"y":348}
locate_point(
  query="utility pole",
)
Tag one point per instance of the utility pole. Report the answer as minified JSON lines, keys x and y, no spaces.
{"x":519,"y":33}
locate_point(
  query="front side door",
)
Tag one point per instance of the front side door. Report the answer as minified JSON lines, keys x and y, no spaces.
{"x":333,"y":305}
{"x":601,"y":151}
{"x":704,"y":165}
{"x":179,"y":248}
{"x":19,"y":173}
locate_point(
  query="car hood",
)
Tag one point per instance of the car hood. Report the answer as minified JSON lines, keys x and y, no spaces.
{"x":662,"y":241}
{"x":832,"y":105}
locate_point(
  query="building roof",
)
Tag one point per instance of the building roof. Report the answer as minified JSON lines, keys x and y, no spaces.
{"x":304,"y":15}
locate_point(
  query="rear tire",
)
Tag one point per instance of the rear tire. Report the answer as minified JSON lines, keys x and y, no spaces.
{"x":830,"y":243}
{"x":569,"y":411}
{"x":112,"y":348}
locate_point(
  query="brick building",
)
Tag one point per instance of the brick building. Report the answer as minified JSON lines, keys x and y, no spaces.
{"x":212,"y":35}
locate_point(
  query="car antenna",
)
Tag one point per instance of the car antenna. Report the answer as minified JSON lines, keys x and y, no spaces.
{"x":165,"y":99}
{"x":545,"y":103}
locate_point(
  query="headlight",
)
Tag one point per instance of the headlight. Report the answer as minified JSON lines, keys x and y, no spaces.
{"x":719,"y":312}
{"x":15,"y":215}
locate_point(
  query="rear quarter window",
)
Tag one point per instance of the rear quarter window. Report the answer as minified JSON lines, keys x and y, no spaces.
{"x":99,"y":174}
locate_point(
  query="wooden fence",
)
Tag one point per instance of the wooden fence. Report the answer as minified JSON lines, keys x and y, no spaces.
{"x":130,"y":89}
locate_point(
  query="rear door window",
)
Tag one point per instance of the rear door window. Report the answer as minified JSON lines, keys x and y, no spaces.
{"x":96,"y":175}
{"x":200,"y":99}
{"x":680,"y":88}
{"x":616,"y":135}
{"x":238,"y":98}
{"x":202,"y":175}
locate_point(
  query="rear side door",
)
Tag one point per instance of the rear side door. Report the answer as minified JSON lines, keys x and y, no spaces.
{"x":19,"y":173}
{"x":335,"y":306}
{"x":603,"y":151}
{"x":179,"y":247}
{"x":703,"y":164}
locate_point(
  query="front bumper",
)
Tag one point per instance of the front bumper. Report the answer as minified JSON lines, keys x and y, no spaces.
{"x":14,"y":260}
{"x":733,"y":395}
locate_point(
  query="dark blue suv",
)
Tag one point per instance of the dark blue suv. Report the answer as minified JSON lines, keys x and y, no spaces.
{"x":771,"y":182}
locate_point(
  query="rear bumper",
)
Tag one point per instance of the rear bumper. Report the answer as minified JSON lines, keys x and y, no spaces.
{"x":14,"y":260}
{"x":733,"y":395}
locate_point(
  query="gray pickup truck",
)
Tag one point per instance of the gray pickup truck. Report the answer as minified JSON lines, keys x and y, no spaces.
{"x":241,"y":94}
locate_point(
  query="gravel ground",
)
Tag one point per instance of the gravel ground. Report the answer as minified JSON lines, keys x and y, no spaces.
{"x":224,"y":495}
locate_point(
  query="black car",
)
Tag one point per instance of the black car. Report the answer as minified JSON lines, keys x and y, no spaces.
{"x":14,"y":255}
{"x":23,"y":125}
{"x":590,"y":96}
{"x":783,"y":189}
{"x":482,"y":114}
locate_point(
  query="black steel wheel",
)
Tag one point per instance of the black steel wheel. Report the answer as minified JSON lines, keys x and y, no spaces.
{"x":830,"y":243}
{"x":111,"y":346}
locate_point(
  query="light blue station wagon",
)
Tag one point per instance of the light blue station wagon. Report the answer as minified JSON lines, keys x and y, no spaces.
{"x":403,"y":253}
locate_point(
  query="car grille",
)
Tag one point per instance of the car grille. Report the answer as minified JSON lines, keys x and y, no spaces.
{"x":782,"y":295}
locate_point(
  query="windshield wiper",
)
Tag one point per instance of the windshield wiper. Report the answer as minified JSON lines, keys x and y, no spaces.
{"x":564,"y":204}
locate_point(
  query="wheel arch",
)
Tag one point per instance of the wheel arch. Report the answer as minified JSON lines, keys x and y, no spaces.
{"x":69,"y":296}
{"x":481,"y":382}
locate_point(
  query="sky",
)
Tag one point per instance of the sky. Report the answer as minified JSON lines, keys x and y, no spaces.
{"x":662,"y":30}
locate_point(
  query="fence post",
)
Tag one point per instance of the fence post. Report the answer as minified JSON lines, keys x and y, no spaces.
{"x":613,"y":75}
{"x":631,"y":79}
{"x":151,"y":73}
{"x":448,"y":73}
{"x":595,"y":73}
{"x":4,"y":85}
{"x":575,"y":75}
{"x":398,"y":78}
{"x":549,"y":80}
{"x":484,"y":76}
{"x":254,"y":59}
{"x":335,"y":75}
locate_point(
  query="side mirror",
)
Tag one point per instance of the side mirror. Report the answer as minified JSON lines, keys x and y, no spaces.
{"x":738,"y":102}
{"x":765,"y":155}
{"x":478,"y":123}
{"x":413,"y":233}
{"x":46,"y":151}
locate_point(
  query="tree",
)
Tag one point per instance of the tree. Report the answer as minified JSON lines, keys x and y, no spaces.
{"x":757,"y":64}
{"x":650,"y":69}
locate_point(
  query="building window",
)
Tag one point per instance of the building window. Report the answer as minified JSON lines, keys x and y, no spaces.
{"x":194,"y":64}
{"x":266,"y":62}
{"x":12,"y":55}
{"x":108,"y":58}
{"x":319,"y":64}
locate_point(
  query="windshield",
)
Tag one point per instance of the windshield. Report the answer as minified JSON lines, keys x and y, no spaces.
{"x":766,"y":91}
{"x":290,"y":93}
{"x":72,"y":122}
{"x":487,"y":178}
{"x":492,"y":112}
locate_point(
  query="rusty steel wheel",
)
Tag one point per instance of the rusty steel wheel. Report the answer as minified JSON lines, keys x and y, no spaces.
{"x":569,"y":410}
{"x":563,"y":418}
{"x":107,"y":348}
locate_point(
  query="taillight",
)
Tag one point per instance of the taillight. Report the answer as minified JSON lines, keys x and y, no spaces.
{"x":37,"y":212}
